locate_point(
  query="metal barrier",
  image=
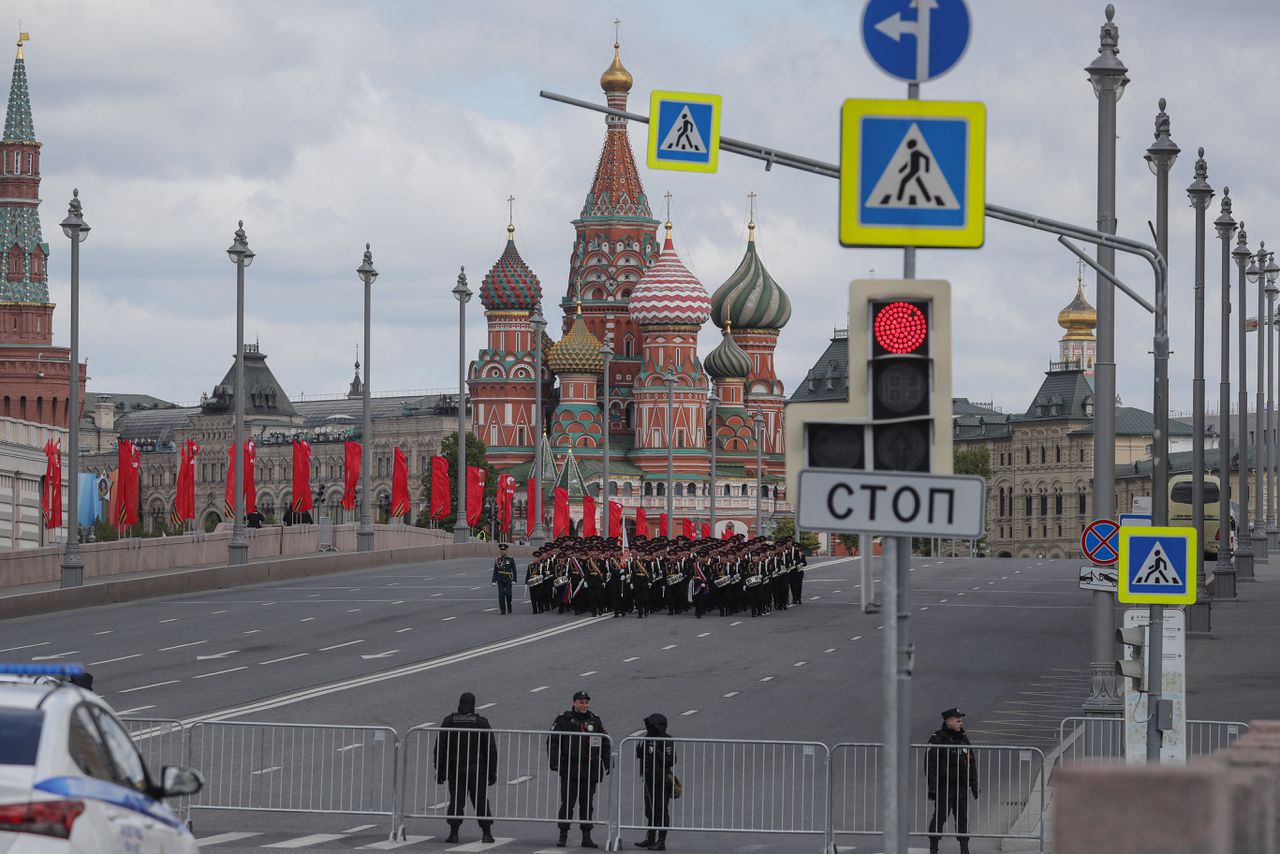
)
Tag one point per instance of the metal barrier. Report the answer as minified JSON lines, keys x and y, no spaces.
{"x":161,"y":741}
{"x":1208,"y":737}
{"x":294,"y":767}
{"x":729,"y":786}
{"x":442,"y":769}
{"x":1085,"y":739}
{"x":1008,"y":781}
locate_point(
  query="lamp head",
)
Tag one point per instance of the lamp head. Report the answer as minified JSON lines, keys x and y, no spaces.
{"x":1164,"y":151}
{"x":460,"y":291}
{"x":1272,"y":269}
{"x":239,"y":251}
{"x":74,"y":226}
{"x":1199,"y":190}
{"x":537,"y":321}
{"x":365,"y":271}
{"x":1107,"y":72}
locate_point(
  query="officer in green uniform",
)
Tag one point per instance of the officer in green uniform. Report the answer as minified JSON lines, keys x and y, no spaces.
{"x":504,"y":575}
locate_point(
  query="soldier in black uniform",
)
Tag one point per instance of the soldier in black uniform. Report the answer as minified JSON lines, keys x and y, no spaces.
{"x":504,"y":575}
{"x":581,"y":759}
{"x":640,"y":584}
{"x":950,"y":769}
{"x":466,"y":760}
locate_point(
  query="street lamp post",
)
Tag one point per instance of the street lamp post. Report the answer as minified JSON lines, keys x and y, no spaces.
{"x":1272,"y":271}
{"x":606,"y":353}
{"x":364,"y":533}
{"x":1108,"y":76}
{"x":1160,"y":157}
{"x":670,"y":379}
{"x":1258,"y":532}
{"x":1199,"y":615}
{"x":242,"y":256}
{"x":714,"y":402}
{"x":1224,"y":573}
{"x":758,"y":421}
{"x":538,"y":323}
{"x":461,"y":532}
{"x":1244,"y":538}
{"x":72,"y":566}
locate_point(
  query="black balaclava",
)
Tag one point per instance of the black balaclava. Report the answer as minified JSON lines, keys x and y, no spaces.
{"x":656,"y":725}
{"x":467,"y":703}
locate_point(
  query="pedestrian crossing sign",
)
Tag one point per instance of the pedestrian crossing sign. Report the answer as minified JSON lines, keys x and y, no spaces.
{"x":1158,"y":566}
{"x":684,"y":131}
{"x":912,"y":173}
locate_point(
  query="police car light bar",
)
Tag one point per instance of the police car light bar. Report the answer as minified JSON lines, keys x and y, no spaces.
{"x":41,"y":669}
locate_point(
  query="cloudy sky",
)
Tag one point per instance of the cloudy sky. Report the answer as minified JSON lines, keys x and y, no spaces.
{"x":324,"y":125}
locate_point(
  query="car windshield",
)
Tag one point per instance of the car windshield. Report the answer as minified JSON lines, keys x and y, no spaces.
{"x":20,"y":735}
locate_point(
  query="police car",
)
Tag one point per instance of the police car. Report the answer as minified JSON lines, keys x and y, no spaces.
{"x":71,"y":779}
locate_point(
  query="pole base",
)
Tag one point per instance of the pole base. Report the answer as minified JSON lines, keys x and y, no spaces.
{"x":72,"y":572}
{"x":1224,"y":584}
{"x":1259,"y":540}
{"x":1105,"y":694}
{"x":364,"y":541}
{"x":537,"y":540}
{"x":237,"y":553}
{"x":461,"y":534}
{"x":1200,"y":619}
{"x":1244,"y":566}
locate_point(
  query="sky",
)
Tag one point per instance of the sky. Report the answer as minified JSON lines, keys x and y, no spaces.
{"x":326,"y":125}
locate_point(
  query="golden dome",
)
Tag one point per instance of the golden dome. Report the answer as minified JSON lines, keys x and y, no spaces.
{"x":615,"y":77}
{"x":1079,"y":318}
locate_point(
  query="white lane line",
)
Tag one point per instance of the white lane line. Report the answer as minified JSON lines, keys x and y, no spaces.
{"x":352,"y":610}
{"x":262,"y":771}
{"x":730,"y":694}
{"x":539,"y":688}
{"x":393,"y":584}
{"x":55,"y":655}
{"x":811,"y":598}
{"x":704,"y":634}
{"x":477,"y":847}
{"x":264,"y":604}
{"x":837,"y":591}
{"x":152,"y":685}
{"x":941,"y":601}
{"x":112,"y":660}
{"x":26,"y":646}
{"x":736,"y":623}
{"x":961,"y":593}
{"x":489,"y":610}
{"x":401,"y":602}
{"x":856,"y":637}
{"x":632,"y":658}
{"x":523,"y":778}
{"x":133,"y":711}
{"x":355,"y":746}
{"x":306,"y":619}
{"x":304,"y":841}
{"x":670,"y":646}
{"x":486,"y":706}
{"x":170,"y":620}
{"x":225,"y":837}
{"x":340,"y":645}
{"x":447,"y":619}
{"x":589,"y":673}
{"x":405,"y":629}
{"x":1004,"y":578}
{"x":434,"y":595}
{"x":220,"y":672}
{"x":924,"y":608}
{"x":833,"y":649}
{"x":766,"y":679}
{"x":107,"y":632}
{"x":475,"y":588}
{"x":800,"y":664}
{"x":359,"y":827}
{"x":180,"y":646}
{"x":688,"y":712}
{"x":392,"y":844}
{"x":252,"y":631}
{"x":223,"y":611}
{"x":286,"y":658}
{"x":1017,"y":572}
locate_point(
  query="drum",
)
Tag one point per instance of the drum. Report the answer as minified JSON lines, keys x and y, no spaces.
{"x":723,"y":580}
{"x":674,"y":578}
{"x":754,"y":580}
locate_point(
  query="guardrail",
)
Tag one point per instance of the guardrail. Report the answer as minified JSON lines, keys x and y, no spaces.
{"x":963,"y":791}
{"x":1086,"y":739}
{"x":161,"y":741}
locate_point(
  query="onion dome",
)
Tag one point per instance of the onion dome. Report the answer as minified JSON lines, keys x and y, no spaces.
{"x":750,"y":299}
{"x":578,"y":352}
{"x":727,"y":360}
{"x":615,"y":77}
{"x":668,"y":294}
{"x":510,"y":285}
{"x":1079,"y":318}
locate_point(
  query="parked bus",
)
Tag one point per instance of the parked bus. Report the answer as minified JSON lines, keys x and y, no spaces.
{"x":1180,"y":510}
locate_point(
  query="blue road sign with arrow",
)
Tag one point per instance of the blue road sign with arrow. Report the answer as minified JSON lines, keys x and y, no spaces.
{"x":916,"y":40}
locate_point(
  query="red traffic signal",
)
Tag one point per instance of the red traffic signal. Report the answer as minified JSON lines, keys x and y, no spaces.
{"x":900,"y":327}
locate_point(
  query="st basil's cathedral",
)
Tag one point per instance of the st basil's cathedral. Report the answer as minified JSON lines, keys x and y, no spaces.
{"x":627,"y":289}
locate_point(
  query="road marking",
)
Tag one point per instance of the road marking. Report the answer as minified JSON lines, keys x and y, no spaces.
{"x":475,"y":588}
{"x":977,"y":588}
{"x":220,"y":672}
{"x":811,"y":598}
{"x":312,"y":595}
{"x":488,"y":610}
{"x":152,"y":685}
{"x":252,"y":631}
{"x":225,"y":837}
{"x":833,"y":649}
{"x":107,"y":632}
{"x":476,"y":847}
{"x":373,"y":678}
{"x":837,"y":591}
{"x":355,"y":746}
{"x":961,"y":593}
{"x":27,"y":646}
{"x":924,"y":608}
{"x":632,"y":658}
{"x":670,"y":646}
{"x":405,"y":629}
{"x":523,"y":778}
{"x":401,"y":602}
{"x":131,"y":711}
{"x":800,"y":664}
{"x":447,"y":619}
{"x":1017,"y":572}
{"x":386,"y":654}
{"x":730,"y":694}
{"x":306,"y":619}
{"x":304,"y":841}
{"x":589,"y":673}
{"x":434,"y":595}
{"x":486,"y":706}
{"x":286,"y":658}
{"x":216,"y":655}
{"x":55,"y":655}
{"x":940,"y":601}
{"x":223,"y":611}
{"x":359,"y":827}
{"x":688,"y":712}
{"x":180,"y":646}
{"x":539,"y":688}
{"x":736,"y":623}
{"x":704,"y":634}
{"x":392,"y":844}
{"x":767,"y":679}
{"x":1004,"y":578}
{"x":170,"y":620}
{"x":352,"y":610}
{"x":265,"y":604}
{"x":261,"y":771}
{"x":340,"y":645}
{"x":856,"y":637}
{"x":112,"y":660}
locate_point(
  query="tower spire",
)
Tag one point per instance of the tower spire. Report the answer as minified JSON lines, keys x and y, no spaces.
{"x":751,"y":216}
{"x":18,"y":126}
{"x":511,"y":218}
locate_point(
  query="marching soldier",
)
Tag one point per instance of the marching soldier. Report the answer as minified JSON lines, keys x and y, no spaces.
{"x":504,"y":576}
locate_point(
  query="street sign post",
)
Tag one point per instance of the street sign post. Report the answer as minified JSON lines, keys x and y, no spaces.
{"x":684,"y":131}
{"x":915,"y":40}
{"x":892,"y":503}
{"x":1100,"y":541}
{"x":912,"y":173}
{"x":1157,"y":566}
{"x":1173,"y":688}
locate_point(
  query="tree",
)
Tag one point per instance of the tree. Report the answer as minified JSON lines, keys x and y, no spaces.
{"x":849,"y":541}
{"x":785,"y":526}
{"x":476,"y":456}
{"x":972,"y":461}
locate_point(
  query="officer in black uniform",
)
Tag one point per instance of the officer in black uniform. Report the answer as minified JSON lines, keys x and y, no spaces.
{"x":581,"y":756}
{"x":466,"y":760}
{"x":504,"y":575}
{"x":656,"y":755}
{"x":950,"y":768}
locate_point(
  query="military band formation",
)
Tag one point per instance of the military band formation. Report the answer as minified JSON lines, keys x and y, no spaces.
{"x":597,"y":576}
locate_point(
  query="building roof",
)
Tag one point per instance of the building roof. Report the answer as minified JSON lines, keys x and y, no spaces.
{"x":263,"y":396}
{"x":750,"y":298}
{"x":578,"y":352}
{"x":1066,"y":393}
{"x":727,"y":360}
{"x":828,"y":379}
{"x":616,"y":191}
{"x":18,"y":126}
{"x":20,"y":220}
{"x":510,"y":285}
{"x":122,"y":403}
{"x":1131,"y":421}
{"x":668,"y":293}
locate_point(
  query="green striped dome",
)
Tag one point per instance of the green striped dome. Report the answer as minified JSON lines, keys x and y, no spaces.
{"x":750,"y":299}
{"x":727,"y":360}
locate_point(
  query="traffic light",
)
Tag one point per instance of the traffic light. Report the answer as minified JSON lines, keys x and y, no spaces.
{"x":896,"y":415}
{"x":1134,"y":664}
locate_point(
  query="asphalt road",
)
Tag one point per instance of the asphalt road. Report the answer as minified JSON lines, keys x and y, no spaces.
{"x":1006,"y":641}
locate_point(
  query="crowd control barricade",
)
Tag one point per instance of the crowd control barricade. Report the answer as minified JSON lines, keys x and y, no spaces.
{"x":1207,"y":737}
{"x":305,"y":768}
{"x":727,"y":786}
{"x":526,"y":787}
{"x":1009,"y":781}
{"x":161,"y":741}
{"x":1085,"y":739}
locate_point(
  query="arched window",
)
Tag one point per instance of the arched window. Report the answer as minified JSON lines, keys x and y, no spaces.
{"x":679,"y":489}
{"x":662,"y":488}
{"x":1001,"y":501}
{"x":1027,"y":453}
{"x":691,"y":489}
{"x":1026,"y":494}
{"x":764,"y":491}
{"x":1057,"y":453}
{"x":1042,"y":455}
{"x":728,"y":490}
{"x":648,"y":489}
{"x":744,"y":489}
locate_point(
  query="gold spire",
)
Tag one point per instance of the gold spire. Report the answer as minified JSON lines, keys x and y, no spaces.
{"x":751,"y":217}
{"x":511,"y":221}
{"x":667,"y":196}
{"x":616,"y":78}
{"x":22,"y":37}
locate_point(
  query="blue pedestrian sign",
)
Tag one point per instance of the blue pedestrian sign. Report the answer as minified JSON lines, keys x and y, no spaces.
{"x":915,"y":40}
{"x":684,"y":131}
{"x":1157,"y":566}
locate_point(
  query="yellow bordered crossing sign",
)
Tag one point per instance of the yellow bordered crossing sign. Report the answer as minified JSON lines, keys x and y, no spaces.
{"x":684,"y":131}
{"x":1157,"y":566}
{"x":912,"y":173}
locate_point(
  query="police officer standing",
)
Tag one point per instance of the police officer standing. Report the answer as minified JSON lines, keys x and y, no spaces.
{"x":504,"y":575}
{"x":466,"y":760}
{"x":950,"y":768}
{"x":580,"y":752}
{"x":656,"y":755}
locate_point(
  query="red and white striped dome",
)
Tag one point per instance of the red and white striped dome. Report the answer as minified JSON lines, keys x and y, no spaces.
{"x":669,"y":294}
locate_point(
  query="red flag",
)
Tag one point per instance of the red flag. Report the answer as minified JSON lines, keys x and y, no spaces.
{"x":250,"y":488}
{"x":128,"y":462}
{"x":301,"y":476}
{"x":399,"y":485}
{"x":229,"y":498}
{"x":727,"y":533}
{"x":589,"y":528}
{"x":51,"y":495}
{"x":560,"y":513}
{"x":176,"y":514}
{"x":531,"y":508}
{"x":706,"y":530}
{"x":662,"y":524}
{"x":184,"y":499}
{"x":350,"y":474}
{"x":686,"y":527}
{"x":475,"y":494}
{"x":441,"y":504}
{"x":506,"y":496}
{"x":642,"y":523}
{"x":615,"y":518}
